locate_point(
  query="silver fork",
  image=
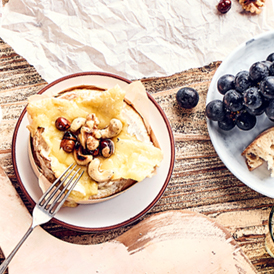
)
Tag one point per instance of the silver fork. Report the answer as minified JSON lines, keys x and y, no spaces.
{"x":48,"y":205}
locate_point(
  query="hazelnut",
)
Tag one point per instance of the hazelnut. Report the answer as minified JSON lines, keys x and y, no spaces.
{"x":69,"y":136}
{"x":62,"y":124}
{"x":68,"y":142}
{"x":67,"y":145}
{"x":224,"y":6}
{"x":95,"y":152}
{"x":106,"y":148}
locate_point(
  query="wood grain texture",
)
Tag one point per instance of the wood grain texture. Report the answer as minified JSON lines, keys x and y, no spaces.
{"x":200,"y":181}
{"x":166,"y":242}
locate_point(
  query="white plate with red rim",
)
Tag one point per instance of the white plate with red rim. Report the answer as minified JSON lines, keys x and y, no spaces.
{"x":121,"y":210}
{"x":230,"y":144}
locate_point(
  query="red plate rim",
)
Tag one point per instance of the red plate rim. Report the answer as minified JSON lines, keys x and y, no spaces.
{"x":137,"y":216}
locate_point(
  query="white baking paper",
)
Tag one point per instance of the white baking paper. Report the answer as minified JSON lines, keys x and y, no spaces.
{"x":134,"y":38}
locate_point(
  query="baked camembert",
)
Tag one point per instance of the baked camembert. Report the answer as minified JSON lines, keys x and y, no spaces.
{"x":100,"y":131}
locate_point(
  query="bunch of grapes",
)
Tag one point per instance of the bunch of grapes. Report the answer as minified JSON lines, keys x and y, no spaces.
{"x":245,"y":96}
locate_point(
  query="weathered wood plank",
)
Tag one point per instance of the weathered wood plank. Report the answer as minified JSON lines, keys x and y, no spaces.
{"x":200,"y":181}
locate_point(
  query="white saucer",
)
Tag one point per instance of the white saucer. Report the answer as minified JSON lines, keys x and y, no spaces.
{"x":119,"y":211}
{"x":230,"y":144}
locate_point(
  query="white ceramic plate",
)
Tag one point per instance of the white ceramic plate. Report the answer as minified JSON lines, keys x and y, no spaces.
{"x":229,"y":145}
{"x":121,"y":210}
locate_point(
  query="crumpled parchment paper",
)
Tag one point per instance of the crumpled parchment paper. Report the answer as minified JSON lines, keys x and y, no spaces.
{"x":133,"y":39}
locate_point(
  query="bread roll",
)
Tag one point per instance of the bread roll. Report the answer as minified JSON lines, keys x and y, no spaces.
{"x":261,"y":150}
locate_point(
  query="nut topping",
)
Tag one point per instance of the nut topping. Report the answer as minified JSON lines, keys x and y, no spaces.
{"x":69,"y":136}
{"x":87,"y":141}
{"x":114,"y":128}
{"x":253,"y":6}
{"x":106,"y":148}
{"x":67,"y":145}
{"x":224,"y":6}
{"x":83,"y":135}
{"x":95,"y":152}
{"x":77,"y":123}
{"x":68,"y":142}
{"x":62,"y":124}
{"x":92,"y":143}
{"x":81,"y":158}
{"x":96,"y":174}
{"x":92,"y":121}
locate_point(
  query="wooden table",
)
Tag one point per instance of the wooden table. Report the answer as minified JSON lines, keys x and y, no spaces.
{"x":200,"y":181}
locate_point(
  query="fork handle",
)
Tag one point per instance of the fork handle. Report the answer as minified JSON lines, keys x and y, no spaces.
{"x":6,"y":262}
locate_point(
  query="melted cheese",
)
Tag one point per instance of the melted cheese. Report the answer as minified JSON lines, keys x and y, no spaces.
{"x":133,"y":159}
{"x":135,"y":156}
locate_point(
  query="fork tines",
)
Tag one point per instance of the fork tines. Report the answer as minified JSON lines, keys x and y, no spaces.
{"x":51,"y":201}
